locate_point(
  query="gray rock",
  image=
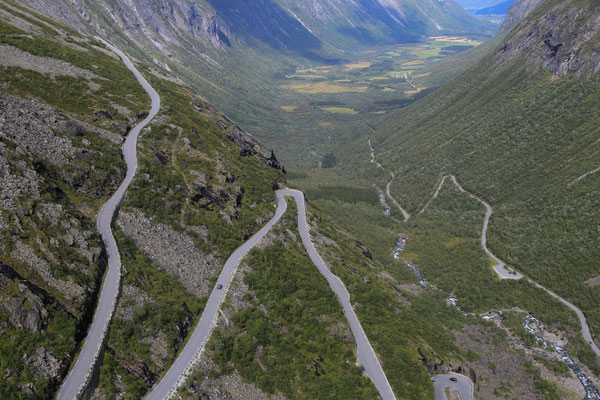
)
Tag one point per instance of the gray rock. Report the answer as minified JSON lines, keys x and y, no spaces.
{"x":72,"y":128}
{"x":44,"y":363}
{"x":555,"y":41}
{"x":173,"y":252}
{"x":517,"y":12}
{"x":25,"y":311}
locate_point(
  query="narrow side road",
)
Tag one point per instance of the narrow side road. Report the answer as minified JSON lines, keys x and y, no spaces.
{"x":176,"y":375}
{"x":505,"y":272}
{"x":81,"y":372}
{"x":405,"y":214}
{"x":435,"y":195}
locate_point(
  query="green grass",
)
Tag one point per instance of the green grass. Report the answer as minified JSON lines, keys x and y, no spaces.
{"x":345,"y":194}
{"x":118,"y":86}
{"x":518,"y":139}
{"x":547,"y":389}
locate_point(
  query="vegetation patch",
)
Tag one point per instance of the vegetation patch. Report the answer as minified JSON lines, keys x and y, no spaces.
{"x":340,"y":110}
{"x":344,"y":193}
{"x":289,"y":108}
{"x":358,"y":65}
{"x":324,"y":87}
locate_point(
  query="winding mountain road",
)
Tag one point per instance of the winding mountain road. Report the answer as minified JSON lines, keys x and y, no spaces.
{"x":364,"y":351}
{"x":505,"y":272}
{"x":80,"y":374}
{"x":366,"y":356}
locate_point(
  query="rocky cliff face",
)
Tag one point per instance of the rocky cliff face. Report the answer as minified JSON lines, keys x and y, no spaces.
{"x":517,"y":12}
{"x":563,"y":37}
{"x":156,"y":23}
{"x":299,"y":26}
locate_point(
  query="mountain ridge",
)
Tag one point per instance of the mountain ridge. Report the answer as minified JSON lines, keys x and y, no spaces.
{"x":302,"y":26}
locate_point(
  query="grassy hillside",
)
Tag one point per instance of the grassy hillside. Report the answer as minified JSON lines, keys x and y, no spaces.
{"x":525,"y":138}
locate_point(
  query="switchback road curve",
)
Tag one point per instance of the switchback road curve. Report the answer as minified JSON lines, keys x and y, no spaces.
{"x":366,"y":356}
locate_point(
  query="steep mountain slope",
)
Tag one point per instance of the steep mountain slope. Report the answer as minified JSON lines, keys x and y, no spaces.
{"x":65,"y":108}
{"x":66,"y":105}
{"x":235,"y":52}
{"x":520,"y":130}
{"x":302,"y":26}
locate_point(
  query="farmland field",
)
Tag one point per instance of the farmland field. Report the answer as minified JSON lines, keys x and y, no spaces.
{"x":376,"y":82}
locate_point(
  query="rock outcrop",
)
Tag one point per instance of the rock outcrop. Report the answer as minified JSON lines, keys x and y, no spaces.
{"x":564,"y":38}
{"x":517,"y":12}
{"x":173,"y":252}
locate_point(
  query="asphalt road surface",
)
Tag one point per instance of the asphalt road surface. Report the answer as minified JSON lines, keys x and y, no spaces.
{"x":463,"y":384}
{"x":365,"y":354}
{"x":504,"y":271}
{"x":93,"y":343}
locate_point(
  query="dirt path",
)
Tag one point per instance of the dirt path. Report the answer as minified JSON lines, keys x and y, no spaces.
{"x":405,"y":214}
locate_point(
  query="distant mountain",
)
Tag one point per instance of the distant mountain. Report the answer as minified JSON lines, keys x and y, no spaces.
{"x":477,"y":4}
{"x":500,"y":8}
{"x":381,"y":21}
{"x":302,"y":27}
{"x":518,"y":11}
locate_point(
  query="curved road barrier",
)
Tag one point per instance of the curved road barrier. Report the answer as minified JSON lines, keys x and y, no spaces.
{"x":461,"y":383}
{"x":80,"y":374}
{"x":366,"y":356}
